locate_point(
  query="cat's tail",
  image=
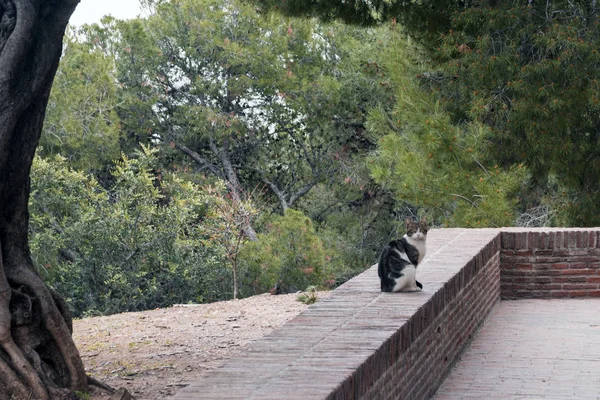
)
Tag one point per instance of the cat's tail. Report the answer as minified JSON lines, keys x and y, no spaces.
{"x":381,"y":262}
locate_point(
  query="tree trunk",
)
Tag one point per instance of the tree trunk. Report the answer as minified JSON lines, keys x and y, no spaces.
{"x":233,"y":184}
{"x":235,"y":280}
{"x":38,"y":358}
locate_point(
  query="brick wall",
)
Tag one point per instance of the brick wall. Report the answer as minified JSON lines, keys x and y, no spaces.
{"x":550,"y":264}
{"x":360,"y":343}
{"x":422,"y":359}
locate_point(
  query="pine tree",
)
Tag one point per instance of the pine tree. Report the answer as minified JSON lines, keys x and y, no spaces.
{"x":434,"y":162}
{"x":530,"y":74}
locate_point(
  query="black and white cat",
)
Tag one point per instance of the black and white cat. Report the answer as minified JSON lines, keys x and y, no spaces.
{"x":399,"y":259}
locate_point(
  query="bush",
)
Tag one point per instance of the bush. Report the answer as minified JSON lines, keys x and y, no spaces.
{"x":288,"y":258}
{"x":135,"y":246}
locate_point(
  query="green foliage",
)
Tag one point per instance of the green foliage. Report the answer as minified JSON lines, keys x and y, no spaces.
{"x":525,"y":72}
{"x":355,"y":129}
{"x":309,"y":296}
{"x":82,"y":395}
{"x":223,"y":90}
{"x":424,"y":17}
{"x":133,"y":247}
{"x":354,"y":219}
{"x":435,"y":163}
{"x":287,"y":258}
{"x":531,"y":75}
{"x":219,"y":84}
{"x":223,"y":226}
{"x":81,"y":120}
{"x":191,"y":68}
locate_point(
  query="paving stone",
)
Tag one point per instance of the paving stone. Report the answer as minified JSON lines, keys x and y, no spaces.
{"x":532,"y":349}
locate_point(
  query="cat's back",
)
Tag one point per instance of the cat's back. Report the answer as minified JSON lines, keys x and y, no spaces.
{"x":408,"y":249}
{"x":394,"y":251}
{"x":392,"y":248}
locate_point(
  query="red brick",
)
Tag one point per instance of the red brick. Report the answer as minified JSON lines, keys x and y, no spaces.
{"x":524,"y":253}
{"x":579,"y":286}
{"x":585,"y":259}
{"x":551,"y":240}
{"x":524,"y":266}
{"x":552,"y":286}
{"x":578,"y":293}
{"x":572,"y":239}
{"x":545,"y":241}
{"x":411,"y":363}
{"x":586,"y":271}
{"x":519,"y":286}
{"x":553,"y":273}
{"x":573,"y":279}
{"x":514,"y":272}
{"x":542,"y":279}
{"x":559,"y":240}
{"x":556,"y":257}
{"x":522,"y":279}
{"x":507,"y":266}
{"x":521,"y":241}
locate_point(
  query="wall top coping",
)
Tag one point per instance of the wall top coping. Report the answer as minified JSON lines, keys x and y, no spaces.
{"x":524,"y":229}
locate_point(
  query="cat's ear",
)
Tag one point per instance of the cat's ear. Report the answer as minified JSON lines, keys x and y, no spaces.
{"x":407,"y":221}
{"x":424,"y":220}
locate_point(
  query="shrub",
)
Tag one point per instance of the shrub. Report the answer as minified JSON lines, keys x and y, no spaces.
{"x":134,"y":246}
{"x":287,"y":258}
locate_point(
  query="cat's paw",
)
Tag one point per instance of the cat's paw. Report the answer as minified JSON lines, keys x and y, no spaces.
{"x":411,"y":289}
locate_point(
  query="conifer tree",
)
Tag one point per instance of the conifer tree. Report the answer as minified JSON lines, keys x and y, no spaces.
{"x":525,"y":71}
{"x":433,"y":162}
{"x":530,"y":72}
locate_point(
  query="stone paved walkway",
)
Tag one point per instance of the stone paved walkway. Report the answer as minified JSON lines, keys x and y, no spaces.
{"x":532,"y":349}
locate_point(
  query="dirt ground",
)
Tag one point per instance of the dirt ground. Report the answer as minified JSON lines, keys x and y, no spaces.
{"x":155,"y":353}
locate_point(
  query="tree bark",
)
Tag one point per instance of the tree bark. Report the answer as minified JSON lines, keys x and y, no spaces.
{"x":232,"y":182}
{"x":38,"y":358}
{"x":224,"y":171}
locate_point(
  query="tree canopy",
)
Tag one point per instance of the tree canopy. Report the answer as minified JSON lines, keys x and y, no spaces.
{"x":525,"y":72}
{"x":530,"y":72}
{"x":82,"y":123}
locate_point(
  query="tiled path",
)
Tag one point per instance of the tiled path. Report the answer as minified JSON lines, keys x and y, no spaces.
{"x":532,"y":349}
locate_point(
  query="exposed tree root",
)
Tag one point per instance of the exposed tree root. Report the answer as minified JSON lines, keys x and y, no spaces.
{"x":38,"y":358}
{"x":24,"y":369}
{"x":56,"y":325}
{"x":13,"y":363}
{"x":10,"y":382}
{"x":95,"y":382}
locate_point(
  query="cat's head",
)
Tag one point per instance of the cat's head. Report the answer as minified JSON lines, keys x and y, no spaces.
{"x":417,"y":230}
